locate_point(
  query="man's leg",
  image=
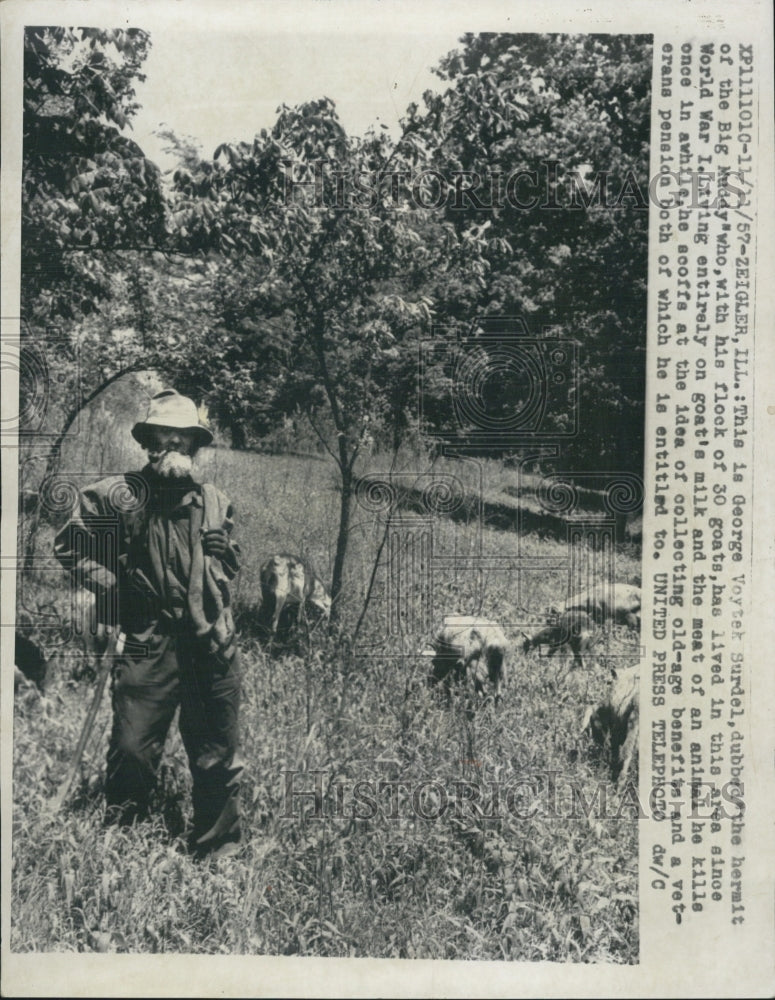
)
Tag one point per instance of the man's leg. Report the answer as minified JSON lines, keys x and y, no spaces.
{"x":209,"y":726}
{"x":145,"y":696}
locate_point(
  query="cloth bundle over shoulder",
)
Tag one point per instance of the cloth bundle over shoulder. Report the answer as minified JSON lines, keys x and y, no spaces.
{"x":209,"y":601}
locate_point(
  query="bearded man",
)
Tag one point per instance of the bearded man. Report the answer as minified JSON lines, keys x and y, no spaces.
{"x":154,"y":547}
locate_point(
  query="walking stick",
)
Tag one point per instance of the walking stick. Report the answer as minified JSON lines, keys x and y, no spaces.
{"x":115,"y":645}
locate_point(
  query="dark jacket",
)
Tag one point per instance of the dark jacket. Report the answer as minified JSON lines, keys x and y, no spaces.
{"x":134,"y":540}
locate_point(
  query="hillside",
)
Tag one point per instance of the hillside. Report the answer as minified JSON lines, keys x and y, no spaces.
{"x":476,"y":857}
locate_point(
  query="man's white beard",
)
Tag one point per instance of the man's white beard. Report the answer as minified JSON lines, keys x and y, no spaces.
{"x":173,"y":465}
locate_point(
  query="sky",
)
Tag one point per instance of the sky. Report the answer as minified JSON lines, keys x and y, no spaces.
{"x":226,"y":86}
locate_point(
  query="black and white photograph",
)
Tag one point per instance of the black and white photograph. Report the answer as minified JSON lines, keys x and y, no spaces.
{"x":351,"y":362}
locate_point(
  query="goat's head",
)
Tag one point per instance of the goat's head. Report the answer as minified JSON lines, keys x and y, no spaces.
{"x":597,"y":722}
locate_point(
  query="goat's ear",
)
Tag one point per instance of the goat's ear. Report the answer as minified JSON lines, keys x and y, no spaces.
{"x":586,"y":718}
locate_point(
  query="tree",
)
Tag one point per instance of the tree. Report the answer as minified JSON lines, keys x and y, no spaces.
{"x":87,"y":188}
{"x":88,"y":195}
{"x":560,"y":114}
{"x":92,"y":214}
{"x":337,"y":274}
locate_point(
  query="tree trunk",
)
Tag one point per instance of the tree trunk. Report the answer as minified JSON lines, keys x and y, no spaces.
{"x":344,"y":462}
{"x":341,"y":543}
{"x":239,"y":440}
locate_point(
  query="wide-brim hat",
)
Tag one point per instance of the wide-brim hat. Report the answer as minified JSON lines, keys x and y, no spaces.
{"x":169,"y":409}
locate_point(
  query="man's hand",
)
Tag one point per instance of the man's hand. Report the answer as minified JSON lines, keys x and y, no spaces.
{"x":215,"y":542}
{"x":102,"y":639}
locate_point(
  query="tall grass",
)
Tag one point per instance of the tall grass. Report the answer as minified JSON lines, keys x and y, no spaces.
{"x":462,"y":885}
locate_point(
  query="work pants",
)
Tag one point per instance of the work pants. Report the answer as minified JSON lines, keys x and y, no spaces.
{"x":156,"y":673}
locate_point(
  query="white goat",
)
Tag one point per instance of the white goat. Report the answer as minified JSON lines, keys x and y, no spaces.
{"x":615,"y":722}
{"x":288,"y":582}
{"x":467,"y":647}
{"x":618,"y":603}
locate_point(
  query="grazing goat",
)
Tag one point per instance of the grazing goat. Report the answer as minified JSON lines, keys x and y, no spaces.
{"x":30,"y":665}
{"x":290,"y":585}
{"x":616,"y":722}
{"x":618,"y":603}
{"x":573,"y":628}
{"x":468,"y":647}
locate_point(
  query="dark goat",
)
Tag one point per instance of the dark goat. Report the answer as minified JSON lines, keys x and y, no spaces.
{"x":572,"y":628}
{"x":29,"y":662}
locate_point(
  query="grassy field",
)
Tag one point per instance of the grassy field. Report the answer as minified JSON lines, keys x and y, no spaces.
{"x":533,"y":880}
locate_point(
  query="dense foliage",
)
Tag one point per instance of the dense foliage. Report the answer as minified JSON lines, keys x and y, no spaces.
{"x":536,"y":210}
{"x":301,"y":270}
{"x":87,"y":188}
{"x":553,"y":133}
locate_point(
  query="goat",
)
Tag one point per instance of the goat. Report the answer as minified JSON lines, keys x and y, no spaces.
{"x":290,"y":585}
{"x":30,"y":664}
{"x":616,"y":722}
{"x":573,"y":628}
{"x":618,"y":602}
{"x":469,"y":648}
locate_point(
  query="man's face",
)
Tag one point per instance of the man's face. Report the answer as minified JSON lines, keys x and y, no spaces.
{"x":171,"y":450}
